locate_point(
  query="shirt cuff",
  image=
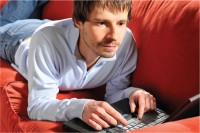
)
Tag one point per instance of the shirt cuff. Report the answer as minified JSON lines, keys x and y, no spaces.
{"x":129,"y":90}
{"x":75,"y":108}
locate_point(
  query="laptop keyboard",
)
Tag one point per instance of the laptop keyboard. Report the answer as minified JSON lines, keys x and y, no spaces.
{"x":149,"y":119}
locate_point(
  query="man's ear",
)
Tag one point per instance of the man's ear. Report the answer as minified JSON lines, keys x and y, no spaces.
{"x":77,"y":23}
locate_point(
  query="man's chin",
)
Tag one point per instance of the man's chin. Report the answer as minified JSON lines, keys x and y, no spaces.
{"x":108,"y":55}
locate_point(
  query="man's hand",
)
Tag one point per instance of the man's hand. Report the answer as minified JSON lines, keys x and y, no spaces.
{"x":144,"y":100}
{"x":99,"y":115}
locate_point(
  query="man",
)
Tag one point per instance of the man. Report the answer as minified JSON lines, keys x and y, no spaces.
{"x":93,"y":48}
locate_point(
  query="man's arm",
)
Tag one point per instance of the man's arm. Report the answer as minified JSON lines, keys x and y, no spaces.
{"x":43,"y":80}
{"x":118,"y":87}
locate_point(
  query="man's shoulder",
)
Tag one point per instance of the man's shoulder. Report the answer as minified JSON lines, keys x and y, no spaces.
{"x":56,"y":28}
{"x":56,"y":24}
{"x":128,"y":43}
{"x":129,"y":37}
{"x":128,"y":32}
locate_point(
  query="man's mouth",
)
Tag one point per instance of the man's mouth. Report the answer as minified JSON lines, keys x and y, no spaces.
{"x":110,"y":47}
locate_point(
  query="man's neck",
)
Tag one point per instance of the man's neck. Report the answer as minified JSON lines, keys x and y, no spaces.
{"x":89,"y":57}
{"x":91,"y":63}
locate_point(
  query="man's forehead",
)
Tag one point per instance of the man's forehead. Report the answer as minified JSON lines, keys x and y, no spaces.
{"x":111,"y":8}
{"x":100,"y":13}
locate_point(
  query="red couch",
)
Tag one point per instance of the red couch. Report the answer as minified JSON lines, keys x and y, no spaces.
{"x":167,"y":36}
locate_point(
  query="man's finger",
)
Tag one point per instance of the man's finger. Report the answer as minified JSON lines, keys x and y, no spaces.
{"x":148,"y":99}
{"x":106,"y":117}
{"x":115,"y":114}
{"x":93,"y":124}
{"x":99,"y":120}
{"x":132,"y":105}
{"x":153,"y":103}
{"x":141,"y":109}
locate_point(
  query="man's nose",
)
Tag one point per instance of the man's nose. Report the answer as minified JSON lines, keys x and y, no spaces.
{"x":112,"y":33}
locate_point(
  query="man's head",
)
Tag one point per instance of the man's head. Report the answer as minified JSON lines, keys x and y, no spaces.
{"x":83,"y":8}
{"x":102,"y":25}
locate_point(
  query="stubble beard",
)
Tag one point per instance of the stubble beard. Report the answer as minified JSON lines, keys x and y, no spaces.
{"x":99,"y":48}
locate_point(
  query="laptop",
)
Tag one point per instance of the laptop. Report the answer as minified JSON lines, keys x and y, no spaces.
{"x":189,"y":109}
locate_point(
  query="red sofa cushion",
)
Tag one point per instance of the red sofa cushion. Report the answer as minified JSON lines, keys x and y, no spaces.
{"x":8,"y":73}
{"x":167,"y":36}
{"x":14,"y":111}
{"x":55,"y":10}
{"x":14,"y":100}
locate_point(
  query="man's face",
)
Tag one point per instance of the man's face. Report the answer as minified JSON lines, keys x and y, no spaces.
{"x":103,"y":33}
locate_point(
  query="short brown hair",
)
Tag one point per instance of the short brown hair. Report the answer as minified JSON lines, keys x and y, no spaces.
{"x":83,"y":8}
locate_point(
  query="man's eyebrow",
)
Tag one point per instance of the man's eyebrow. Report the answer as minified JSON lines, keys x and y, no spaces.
{"x":99,"y":19}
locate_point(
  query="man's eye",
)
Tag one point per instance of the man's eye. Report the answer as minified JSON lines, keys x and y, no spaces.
{"x":101,"y":23}
{"x":122,"y":23}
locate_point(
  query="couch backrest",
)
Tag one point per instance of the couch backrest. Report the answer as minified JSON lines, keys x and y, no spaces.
{"x":55,"y":9}
{"x":167,"y":36}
